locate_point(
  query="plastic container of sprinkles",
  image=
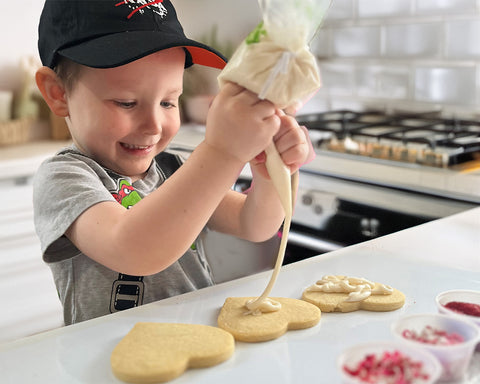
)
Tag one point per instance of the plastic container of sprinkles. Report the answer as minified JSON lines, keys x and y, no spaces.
{"x":393,"y":361}
{"x":450,"y":339}
{"x":466,"y":300}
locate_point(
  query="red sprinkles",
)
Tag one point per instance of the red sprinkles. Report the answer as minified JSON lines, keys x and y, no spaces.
{"x":470,"y":309}
{"x":389,"y":368}
{"x":430,"y":335}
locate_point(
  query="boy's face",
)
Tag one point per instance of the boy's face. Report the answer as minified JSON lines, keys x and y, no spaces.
{"x":124,"y":116}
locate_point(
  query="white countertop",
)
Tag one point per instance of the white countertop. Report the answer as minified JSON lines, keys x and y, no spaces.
{"x":22,"y":161}
{"x":420,"y":261}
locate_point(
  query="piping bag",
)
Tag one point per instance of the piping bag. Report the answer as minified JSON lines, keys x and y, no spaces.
{"x":275,"y":62}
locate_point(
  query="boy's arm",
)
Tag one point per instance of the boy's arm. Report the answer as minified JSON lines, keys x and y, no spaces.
{"x":156,"y":231}
{"x":259,"y":213}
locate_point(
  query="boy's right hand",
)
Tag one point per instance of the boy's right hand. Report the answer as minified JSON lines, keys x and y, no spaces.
{"x":240,"y":124}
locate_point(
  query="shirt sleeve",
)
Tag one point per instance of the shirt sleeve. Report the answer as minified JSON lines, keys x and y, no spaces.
{"x":64,"y":187}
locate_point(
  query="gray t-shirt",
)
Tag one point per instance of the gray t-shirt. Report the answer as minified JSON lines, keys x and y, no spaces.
{"x":64,"y":187}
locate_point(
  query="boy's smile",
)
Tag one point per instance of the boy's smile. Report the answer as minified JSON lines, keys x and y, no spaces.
{"x":124,"y":116}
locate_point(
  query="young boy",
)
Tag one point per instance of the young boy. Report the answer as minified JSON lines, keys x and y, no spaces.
{"x":119,"y":225}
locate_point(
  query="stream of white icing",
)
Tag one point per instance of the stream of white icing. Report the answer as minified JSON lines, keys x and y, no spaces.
{"x":285,"y":185}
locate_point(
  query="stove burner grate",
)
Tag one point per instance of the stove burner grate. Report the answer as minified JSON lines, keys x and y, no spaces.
{"x":424,"y":138}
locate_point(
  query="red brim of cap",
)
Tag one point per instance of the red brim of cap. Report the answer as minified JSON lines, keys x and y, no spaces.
{"x":203,"y":57}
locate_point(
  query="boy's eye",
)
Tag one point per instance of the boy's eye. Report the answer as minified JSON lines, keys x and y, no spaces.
{"x":125,"y":104}
{"x":167,"y":104}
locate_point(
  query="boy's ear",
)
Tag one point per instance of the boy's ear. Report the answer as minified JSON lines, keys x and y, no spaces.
{"x":52,"y":90}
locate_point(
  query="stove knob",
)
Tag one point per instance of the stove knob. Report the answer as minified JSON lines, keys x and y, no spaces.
{"x":318,"y":209}
{"x":307,"y":199}
{"x":369,"y":227}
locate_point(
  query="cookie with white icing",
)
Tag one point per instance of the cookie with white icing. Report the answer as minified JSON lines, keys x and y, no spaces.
{"x":245,"y":326}
{"x":159,"y":352}
{"x":346,"y":294}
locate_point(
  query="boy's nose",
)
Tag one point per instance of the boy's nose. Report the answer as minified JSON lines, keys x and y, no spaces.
{"x":152,"y":122}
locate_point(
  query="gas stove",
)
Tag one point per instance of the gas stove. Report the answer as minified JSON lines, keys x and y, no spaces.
{"x":419,"y":138}
{"x":417,"y":152}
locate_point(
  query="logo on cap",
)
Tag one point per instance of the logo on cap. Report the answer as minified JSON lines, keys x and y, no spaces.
{"x":155,"y":6}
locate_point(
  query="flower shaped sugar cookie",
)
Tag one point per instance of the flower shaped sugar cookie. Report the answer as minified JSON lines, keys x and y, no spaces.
{"x":346,"y":294}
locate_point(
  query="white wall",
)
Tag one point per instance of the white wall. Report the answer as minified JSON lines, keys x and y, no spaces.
{"x":234,"y":19}
{"x":18,"y":31}
{"x":399,"y":54}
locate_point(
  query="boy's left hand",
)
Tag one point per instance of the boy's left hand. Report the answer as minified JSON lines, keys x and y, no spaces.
{"x":293,"y":144}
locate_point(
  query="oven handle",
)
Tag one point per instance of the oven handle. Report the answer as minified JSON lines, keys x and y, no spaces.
{"x":310,"y":242}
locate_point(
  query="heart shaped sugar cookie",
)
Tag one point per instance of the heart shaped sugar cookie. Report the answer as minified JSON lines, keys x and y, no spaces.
{"x":159,"y":352}
{"x":294,"y":314}
{"x":346,"y":294}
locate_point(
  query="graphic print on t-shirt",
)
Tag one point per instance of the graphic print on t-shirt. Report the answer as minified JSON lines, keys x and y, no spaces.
{"x":127,"y":291}
{"x":126,"y":194}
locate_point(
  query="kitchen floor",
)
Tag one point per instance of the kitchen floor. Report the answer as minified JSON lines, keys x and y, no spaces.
{"x":30,"y":299}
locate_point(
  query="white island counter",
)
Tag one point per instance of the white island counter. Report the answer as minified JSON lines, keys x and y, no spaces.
{"x":420,"y":261}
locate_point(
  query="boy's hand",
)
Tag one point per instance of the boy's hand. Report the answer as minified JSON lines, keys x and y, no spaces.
{"x":292,"y":143}
{"x":241,"y":124}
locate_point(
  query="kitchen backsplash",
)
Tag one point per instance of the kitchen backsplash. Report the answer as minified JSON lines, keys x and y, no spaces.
{"x":400,"y":54}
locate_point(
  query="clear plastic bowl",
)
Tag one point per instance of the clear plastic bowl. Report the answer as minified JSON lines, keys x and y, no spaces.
{"x":458,"y":295}
{"x":352,"y":356}
{"x":454,"y":358}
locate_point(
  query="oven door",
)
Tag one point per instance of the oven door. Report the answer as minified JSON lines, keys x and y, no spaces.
{"x":331,"y":213}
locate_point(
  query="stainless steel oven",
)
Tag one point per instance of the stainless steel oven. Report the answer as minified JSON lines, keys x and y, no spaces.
{"x":377,"y":173}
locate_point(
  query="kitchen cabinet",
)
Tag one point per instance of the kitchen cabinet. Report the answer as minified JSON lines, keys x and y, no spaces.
{"x":30,"y":299}
{"x":30,"y":302}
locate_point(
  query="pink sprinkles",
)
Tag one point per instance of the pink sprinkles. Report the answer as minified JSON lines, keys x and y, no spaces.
{"x":470,"y":309}
{"x":430,"y":335}
{"x":389,"y":368}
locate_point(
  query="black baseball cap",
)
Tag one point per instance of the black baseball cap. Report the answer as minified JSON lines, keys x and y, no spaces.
{"x":110,"y":33}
